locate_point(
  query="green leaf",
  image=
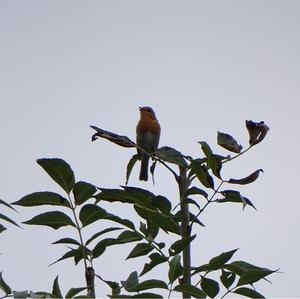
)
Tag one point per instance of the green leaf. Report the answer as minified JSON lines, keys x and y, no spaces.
{"x":73,"y":292}
{"x":130,"y":166}
{"x":152,"y":228}
{"x":119,"y":220}
{"x":140,"y":295}
{"x":68,"y":254}
{"x":179,"y":245}
{"x":202,"y":268}
{"x":129,"y":236}
{"x":115,"y":287}
{"x":228,"y":142}
{"x":219,"y":261}
{"x":240,"y":267}
{"x":227,"y":278}
{"x":56,"y":289}
{"x":53,"y":219}
{"x":190,"y":290}
{"x":202,"y":174}
{"x":196,"y":191}
{"x":104,"y":231}
{"x":253,"y":275}
{"x":77,"y":254}
{"x":175,"y":269}
{"x":166,"y":223}
{"x":60,"y":171}
{"x":171,"y":155}
{"x":83,"y":191}
{"x":248,"y":179}
{"x":149,"y":284}
{"x":4,"y":286}
{"x":131,"y":281}
{"x":210,"y":286}
{"x":91,"y":213}
{"x":214,"y":162}
{"x":235,"y":196}
{"x":140,"y":250}
{"x":42,"y":198}
{"x":2,"y":228}
{"x":248,"y":293}
{"x":101,"y":246}
{"x":7,"y":204}
{"x":3,"y":217}
{"x":66,"y":241}
{"x":162,"y":203}
{"x":156,"y":259}
{"x":257,"y":131}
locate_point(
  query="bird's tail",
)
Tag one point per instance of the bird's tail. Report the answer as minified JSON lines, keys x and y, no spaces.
{"x":144,"y":169}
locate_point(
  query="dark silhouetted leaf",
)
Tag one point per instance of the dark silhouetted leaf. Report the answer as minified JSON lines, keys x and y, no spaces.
{"x":229,"y":143}
{"x":175,"y":269}
{"x":91,"y":213}
{"x":56,"y":289}
{"x":214,"y":162}
{"x":119,"y":220}
{"x":73,"y":292}
{"x":248,"y":293}
{"x":162,"y":203}
{"x":235,"y":196}
{"x":42,"y":198}
{"x":140,"y":249}
{"x":60,"y":171}
{"x":129,"y":236}
{"x":3,"y":217}
{"x":66,"y":241}
{"x":202,"y":174}
{"x":179,"y":245}
{"x":257,"y":131}
{"x":196,"y":191}
{"x":2,"y":202}
{"x":156,"y":259}
{"x":210,"y":286}
{"x":2,"y":228}
{"x":254,"y":275}
{"x":53,"y":219}
{"x":4,"y":286}
{"x":112,"y":137}
{"x":83,"y":191}
{"x":101,"y":246}
{"x":165,"y":222}
{"x":247,"y":180}
{"x":227,"y":278}
{"x":140,"y":295}
{"x":69,"y":254}
{"x":202,"y":268}
{"x":219,"y":261}
{"x":190,"y":290}
{"x":171,"y":155}
{"x":130,"y":166}
{"x":131,"y":281}
{"x":149,"y":284}
{"x":104,"y":231}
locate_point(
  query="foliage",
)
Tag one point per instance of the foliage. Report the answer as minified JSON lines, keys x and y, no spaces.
{"x":200,"y":183}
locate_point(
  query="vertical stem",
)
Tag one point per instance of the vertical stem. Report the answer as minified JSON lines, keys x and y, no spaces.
{"x":185,"y":226}
{"x":89,"y":271}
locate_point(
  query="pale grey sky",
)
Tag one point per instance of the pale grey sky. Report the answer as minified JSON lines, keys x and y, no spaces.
{"x":203,"y":66}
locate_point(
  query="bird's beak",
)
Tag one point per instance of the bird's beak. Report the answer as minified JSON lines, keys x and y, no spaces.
{"x":140,"y":108}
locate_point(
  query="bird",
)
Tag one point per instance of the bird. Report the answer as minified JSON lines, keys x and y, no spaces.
{"x":147,"y":138}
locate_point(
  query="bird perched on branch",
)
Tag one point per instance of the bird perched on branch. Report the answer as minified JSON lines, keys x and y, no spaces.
{"x":147,"y":138}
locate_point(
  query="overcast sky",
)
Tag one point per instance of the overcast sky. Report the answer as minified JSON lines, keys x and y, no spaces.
{"x":203,"y":66}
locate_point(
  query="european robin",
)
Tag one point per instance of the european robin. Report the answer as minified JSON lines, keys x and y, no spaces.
{"x":147,"y":138}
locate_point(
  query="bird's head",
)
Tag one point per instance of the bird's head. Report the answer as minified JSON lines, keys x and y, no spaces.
{"x":147,"y":112}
